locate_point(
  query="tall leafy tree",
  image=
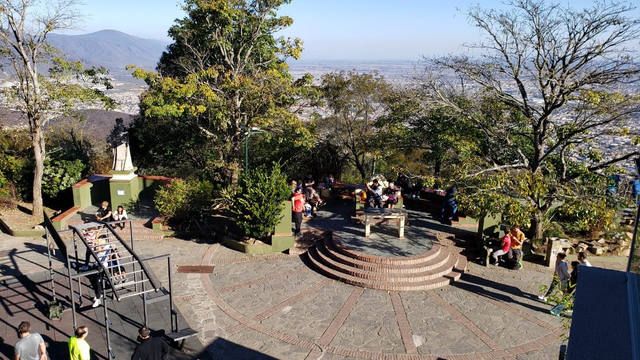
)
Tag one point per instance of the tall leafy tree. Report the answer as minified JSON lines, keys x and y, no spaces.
{"x":550,"y":82}
{"x":40,"y":96}
{"x":355,"y":102}
{"x":224,"y":74}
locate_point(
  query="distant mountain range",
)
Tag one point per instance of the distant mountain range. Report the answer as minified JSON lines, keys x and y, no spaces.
{"x":111,"y":49}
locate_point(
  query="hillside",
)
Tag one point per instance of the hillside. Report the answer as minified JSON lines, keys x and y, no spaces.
{"x":110,"y":48}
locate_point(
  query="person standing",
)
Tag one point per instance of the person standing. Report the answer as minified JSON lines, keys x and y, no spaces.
{"x":449,"y":206}
{"x":30,"y":346}
{"x":518,"y":239}
{"x":150,"y":348}
{"x":79,"y":348}
{"x":297,"y":207}
{"x":582,"y":258}
{"x":560,"y":276}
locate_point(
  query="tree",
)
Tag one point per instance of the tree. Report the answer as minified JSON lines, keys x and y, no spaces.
{"x":224,"y":74}
{"x":258,"y":202}
{"x":433,"y":134}
{"x":550,"y":82}
{"x":355,"y":102}
{"x":25,"y":26}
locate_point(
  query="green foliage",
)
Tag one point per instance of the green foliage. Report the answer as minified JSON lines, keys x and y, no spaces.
{"x":59,"y":175}
{"x":16,"y":167}
{"x":224,"y":74}
{"x":355,"y":102}
{"x":181,"y":200}
{"x":257,"y":207}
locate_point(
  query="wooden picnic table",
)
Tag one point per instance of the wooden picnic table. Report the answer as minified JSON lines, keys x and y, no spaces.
{"x":384,"y":213}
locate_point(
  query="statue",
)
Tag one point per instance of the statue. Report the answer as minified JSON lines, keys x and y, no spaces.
{"x":119,"y":142}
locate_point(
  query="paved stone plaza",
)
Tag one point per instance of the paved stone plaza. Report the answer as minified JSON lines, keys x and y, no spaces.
{"x":278,"y":307}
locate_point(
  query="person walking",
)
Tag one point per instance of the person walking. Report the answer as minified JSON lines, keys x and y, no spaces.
{"x":79,"y":348}
{"x":297,"y":207}
{"x":30,"y":346}
{"x":560,"y":276}
{"x":150,"y":348}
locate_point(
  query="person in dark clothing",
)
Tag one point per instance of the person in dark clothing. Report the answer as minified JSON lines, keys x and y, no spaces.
{"x":150,"y":348}
{"x":449,"y":206}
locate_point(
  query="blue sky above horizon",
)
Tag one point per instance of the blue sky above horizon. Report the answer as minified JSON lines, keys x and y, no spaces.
{"x":331,"y":29}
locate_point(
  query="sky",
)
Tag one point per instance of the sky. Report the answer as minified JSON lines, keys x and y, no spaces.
{"x":331,"y":29}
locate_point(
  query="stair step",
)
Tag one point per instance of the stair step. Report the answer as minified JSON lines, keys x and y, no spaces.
{"x":405,"y":260}
{"x":430,"y":284}
{"x":427,"y":274}
{"x":380,"y":267}
{"x":124,"y":296}
{"x":129,"y":283}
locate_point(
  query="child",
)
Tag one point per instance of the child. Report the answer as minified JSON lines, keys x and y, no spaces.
{"x":505,"y":246}
{"x":307,"y":209}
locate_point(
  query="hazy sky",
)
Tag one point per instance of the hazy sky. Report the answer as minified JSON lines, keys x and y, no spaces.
{"x":330,"y":29}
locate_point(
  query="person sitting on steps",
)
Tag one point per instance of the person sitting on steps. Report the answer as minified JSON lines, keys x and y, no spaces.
{"x":104,"y":212}
{"x":120,"y":215}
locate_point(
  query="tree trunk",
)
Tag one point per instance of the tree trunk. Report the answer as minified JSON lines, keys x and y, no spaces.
{"x":535,"y":231}
{"x":361,"y":170}
{"x":437,"y":166}
{"x":38,"y":156}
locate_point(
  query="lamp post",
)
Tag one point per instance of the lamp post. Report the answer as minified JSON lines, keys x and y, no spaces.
{"x":252,"y":131}
{"x":634,"y":238}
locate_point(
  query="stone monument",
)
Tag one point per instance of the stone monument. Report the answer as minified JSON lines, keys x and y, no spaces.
{"x":124,"y":185}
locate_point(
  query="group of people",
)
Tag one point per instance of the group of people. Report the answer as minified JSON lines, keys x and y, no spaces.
{"x":562,"y":277}
{"x":377,"y":197}
{"x":31,"y":346}
{"x":104,"y":214}
{"x":305,"y":198}
{"x":510,"y":247}
{"x":106,"y":252}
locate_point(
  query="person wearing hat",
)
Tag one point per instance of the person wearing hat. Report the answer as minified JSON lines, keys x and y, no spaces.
{"x":150,"y":348}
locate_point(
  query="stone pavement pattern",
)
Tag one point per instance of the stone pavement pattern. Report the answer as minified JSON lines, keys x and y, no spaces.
{"x":277,"y":307}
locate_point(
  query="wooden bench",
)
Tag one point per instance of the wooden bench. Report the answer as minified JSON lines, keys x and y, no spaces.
{"x":397,"y":214}
{"x":180,"y":336}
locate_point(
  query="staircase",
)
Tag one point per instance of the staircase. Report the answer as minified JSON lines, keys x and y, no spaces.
{"x":436,"y":268}
{"x":127,"y":276}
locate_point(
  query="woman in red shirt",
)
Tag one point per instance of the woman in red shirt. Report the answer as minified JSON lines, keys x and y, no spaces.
{"x":297,"y":206}
{"x":504,"y":248}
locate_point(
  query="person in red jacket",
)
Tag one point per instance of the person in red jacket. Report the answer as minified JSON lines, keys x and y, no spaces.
{"x":297,"y":206}
{"x":504,"y":249}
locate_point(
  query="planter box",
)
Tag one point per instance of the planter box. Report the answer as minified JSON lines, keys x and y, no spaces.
{"x":37,"y":232}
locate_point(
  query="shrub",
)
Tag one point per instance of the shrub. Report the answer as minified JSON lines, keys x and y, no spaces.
{"x":59,"y":175}
{"x":181,"y":200}
{"x":257,"y":207}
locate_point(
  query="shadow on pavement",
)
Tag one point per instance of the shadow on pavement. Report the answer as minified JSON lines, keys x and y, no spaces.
{"x":478,"y":285}
{"x":223,"y":349}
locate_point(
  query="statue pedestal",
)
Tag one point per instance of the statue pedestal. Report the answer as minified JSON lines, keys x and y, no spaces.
{"x":124,"y":187}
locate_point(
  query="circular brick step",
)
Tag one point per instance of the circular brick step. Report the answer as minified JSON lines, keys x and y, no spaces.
{"x":453,"y":275}
{"x":340,"y":246}
{"x":437,"y":267}
{"x":427,"y":273}
{"x":329,"y":250}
